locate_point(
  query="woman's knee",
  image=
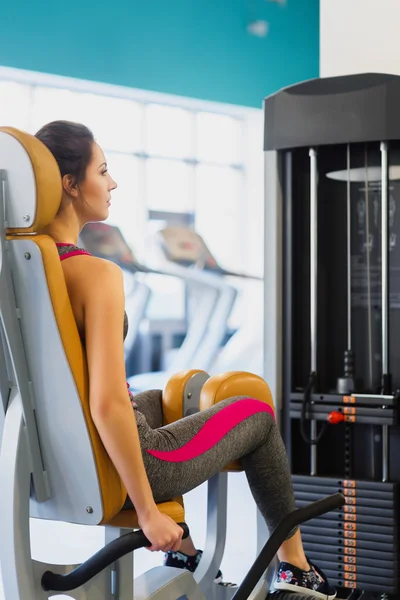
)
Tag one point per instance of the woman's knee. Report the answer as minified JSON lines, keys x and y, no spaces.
{"x":247,"y":418}
{"x":149,"y":403}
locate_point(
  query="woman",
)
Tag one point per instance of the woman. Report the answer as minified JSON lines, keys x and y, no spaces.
{"x":157,"y":463}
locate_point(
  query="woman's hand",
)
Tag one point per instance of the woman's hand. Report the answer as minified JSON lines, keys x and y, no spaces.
{"x":163,"y":533}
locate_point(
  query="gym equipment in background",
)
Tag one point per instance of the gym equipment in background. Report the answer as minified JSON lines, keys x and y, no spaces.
{"x":243,"y":351}
{"x":182,"y":252}
{"x":332,"y":156}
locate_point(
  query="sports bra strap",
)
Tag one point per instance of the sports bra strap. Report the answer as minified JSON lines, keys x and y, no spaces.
{"x":74,"y":251}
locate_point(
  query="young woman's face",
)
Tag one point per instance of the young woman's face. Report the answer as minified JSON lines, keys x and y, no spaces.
{"x":97,"y":187}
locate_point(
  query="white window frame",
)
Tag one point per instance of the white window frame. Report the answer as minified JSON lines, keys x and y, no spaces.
{"x":251,"y":208}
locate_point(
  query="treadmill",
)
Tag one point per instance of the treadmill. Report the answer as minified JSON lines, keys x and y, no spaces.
{"x":244,"y":351}
{"x":181,"y":252}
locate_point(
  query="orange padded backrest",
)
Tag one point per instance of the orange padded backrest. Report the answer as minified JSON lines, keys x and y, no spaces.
{"x":48,"y":196}
{"x":112,"y":489}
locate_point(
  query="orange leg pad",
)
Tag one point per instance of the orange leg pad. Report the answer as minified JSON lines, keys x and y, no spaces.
{"x":230,"y":384}
{"x":174,"y":395}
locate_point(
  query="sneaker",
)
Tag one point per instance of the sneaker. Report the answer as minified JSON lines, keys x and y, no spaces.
{"x":183,"y":561}
{"x":308,"y":583}
{"x":218,"y":578}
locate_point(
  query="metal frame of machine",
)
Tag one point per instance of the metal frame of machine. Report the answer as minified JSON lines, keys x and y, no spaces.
{"x":357,"y":546}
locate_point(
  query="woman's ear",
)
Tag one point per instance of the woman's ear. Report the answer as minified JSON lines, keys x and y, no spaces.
{"x":69,"y":185}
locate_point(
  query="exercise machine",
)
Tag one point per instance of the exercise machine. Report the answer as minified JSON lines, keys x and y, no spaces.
{"x":53,"y":465}
{"x":181,"y":252}
{"x":244,"y":349}
{"x":106,"y":241}
{"x":332,"y":172}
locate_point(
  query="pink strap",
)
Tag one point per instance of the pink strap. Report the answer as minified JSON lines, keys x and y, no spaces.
{"x":76,"y":252}
{"x":73,"y":253}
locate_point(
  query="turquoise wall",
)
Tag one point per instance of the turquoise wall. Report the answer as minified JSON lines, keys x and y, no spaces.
{"x":195,"y":48}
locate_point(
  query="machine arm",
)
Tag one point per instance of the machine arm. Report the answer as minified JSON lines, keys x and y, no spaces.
{"x":316,"y":509}
{"x":95,"y":564}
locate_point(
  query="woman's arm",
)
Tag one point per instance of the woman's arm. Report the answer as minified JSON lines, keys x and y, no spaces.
{"x":103,"y":302}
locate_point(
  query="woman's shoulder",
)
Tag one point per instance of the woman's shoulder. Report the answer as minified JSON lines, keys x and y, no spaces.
{"x":86,"y":274}
{"x":86,"y":260}
{"x":90,"y":268}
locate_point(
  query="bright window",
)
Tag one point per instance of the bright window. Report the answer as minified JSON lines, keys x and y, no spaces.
{"x":52,"y":104}
{"x":219,"y":138}
{"x":169,"y":185}
{"x":116,"y":122}
{"x":183,"y":161}
{"x":15,"y":104}
{"x":219,"y":219}
{"x":169,"y":131}
{"x":127,"y":209}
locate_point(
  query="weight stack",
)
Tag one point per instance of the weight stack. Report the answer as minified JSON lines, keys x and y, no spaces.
{"x":357,"y":545}
{"x":332,"y":289}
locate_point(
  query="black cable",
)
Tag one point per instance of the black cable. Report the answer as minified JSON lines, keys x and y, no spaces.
{"x":306,"y":401}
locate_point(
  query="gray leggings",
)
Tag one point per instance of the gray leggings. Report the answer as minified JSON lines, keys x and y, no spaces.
{"x":181,"y":456}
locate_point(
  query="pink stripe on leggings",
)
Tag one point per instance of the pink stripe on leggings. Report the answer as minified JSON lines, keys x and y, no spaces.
{"x":215,"y":429}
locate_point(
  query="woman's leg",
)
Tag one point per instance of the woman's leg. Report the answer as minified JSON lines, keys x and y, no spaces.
{"x":149,"y":404}
{"x":184,"y":454}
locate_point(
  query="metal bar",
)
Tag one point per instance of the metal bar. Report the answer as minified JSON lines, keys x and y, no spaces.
{"x":348,"y":251}
{"x":385,"y":452}
{"x":217,"y":491}
{"x":287,"y":303}
{"x":385,"y":258}
{"x":313,"y":256}
{"x":367,"y":245}
{"x":19,"y":381}
{"x":313,"y":287}
{"x":385,"y":297}
{"x":272,"y":326}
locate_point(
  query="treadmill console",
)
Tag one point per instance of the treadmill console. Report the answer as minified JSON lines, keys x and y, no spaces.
{"x":187,"y":248}
{"x":107,"y":241}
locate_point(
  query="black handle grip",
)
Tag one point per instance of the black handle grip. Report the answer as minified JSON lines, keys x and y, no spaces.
{"x":316,"y":509}
{"x":95,"y":564}
{"x":279,"y":535}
